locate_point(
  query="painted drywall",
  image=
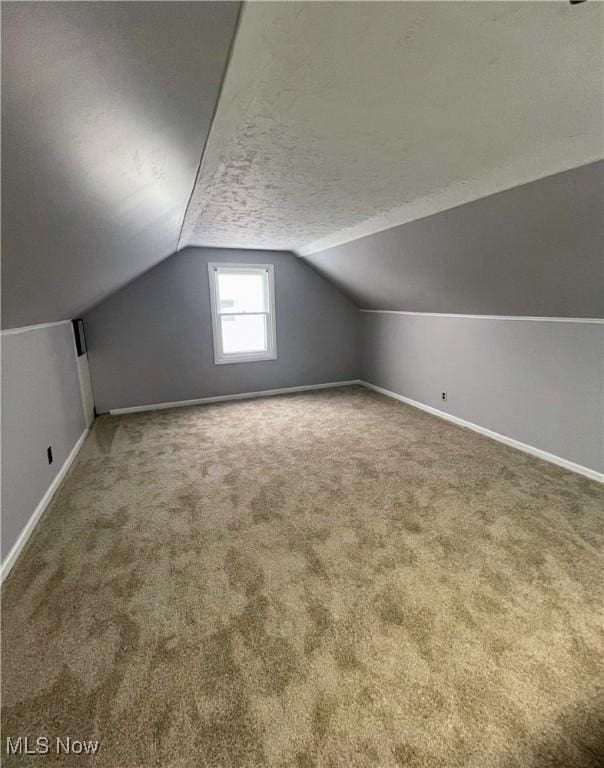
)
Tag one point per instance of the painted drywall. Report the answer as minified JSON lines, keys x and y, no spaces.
{"x":541,"y":383}
{"x":105,"y":111}
{"x":152,"y":341}
{"x":537,"y":249}
{"x":41,"y":407}
{"x":341,"y":119}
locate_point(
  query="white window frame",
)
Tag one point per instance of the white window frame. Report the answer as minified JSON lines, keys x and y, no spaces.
{"x":221,"y":357}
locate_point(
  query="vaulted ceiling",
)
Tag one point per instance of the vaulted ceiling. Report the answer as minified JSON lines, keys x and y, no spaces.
{"x":341,"y":119}
{"x":334,"y":120}
{"x":105,"y":111}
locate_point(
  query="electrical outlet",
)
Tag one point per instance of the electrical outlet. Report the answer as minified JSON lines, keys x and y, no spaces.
{"x":443,"y":396}
{"x":49,"y":454}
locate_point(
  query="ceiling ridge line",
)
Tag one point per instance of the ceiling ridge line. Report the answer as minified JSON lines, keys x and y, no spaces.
{"x":211,"y":126}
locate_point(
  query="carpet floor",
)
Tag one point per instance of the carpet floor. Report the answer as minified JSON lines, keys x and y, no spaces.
{"x":325,"y":579}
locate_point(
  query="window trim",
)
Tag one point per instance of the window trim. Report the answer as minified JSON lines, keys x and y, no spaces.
{"x":220,"y":357}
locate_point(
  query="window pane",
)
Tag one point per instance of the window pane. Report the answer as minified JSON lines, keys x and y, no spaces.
{"x":239,"y":292}
{"x":243,"y":333}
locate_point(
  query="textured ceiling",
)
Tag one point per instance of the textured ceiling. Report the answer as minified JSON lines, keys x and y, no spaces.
{"x":105,"y":111}
{"x":341,"y":119}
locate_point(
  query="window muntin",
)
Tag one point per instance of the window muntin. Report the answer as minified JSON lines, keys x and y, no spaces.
{"x":243,"y":312}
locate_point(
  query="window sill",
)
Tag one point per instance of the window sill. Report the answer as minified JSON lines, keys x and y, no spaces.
{"x":256,"y":358}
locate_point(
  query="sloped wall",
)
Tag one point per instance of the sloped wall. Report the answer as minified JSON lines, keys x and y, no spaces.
{"x":535,"y":250}
{"x":105,"y":111}
{"x":152,"y":341}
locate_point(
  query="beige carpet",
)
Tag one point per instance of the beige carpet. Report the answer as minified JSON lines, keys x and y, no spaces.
{"x":326,"y":579}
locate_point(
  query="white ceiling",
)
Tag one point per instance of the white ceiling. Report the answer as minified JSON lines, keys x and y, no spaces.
{"x":341,"y":119}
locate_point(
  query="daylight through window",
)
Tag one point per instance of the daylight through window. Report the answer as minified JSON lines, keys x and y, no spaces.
{"x":243,"y":315}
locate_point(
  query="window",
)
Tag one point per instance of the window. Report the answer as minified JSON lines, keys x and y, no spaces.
{"x":243,"y":312}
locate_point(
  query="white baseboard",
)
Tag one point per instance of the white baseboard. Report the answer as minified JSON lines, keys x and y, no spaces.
{"x":581,"y":470}
{"x":241,"y":396}
{"x":12,"y":556}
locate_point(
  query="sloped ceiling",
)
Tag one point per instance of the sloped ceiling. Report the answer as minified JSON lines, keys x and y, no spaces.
{"x":105,"y":111}
{"x":335,"y":120}
{"x":341,"y":119}
{"x":536,"y":249}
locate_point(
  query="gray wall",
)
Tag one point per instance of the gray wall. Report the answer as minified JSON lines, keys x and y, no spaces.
{"x":105,"y":111}
{"x":536,"y":249}
{"x":538,"y":382}
{"x":41,"y":406}
{"x":152,"y":341}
